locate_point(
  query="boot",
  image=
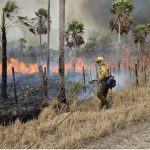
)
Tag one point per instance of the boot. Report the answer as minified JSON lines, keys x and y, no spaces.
{"x":108,"y":105}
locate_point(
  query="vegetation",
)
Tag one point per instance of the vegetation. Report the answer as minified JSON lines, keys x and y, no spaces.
{"x":129,"y":107}
{"x":121,"y":20}
{"x":99,"y":43}
{"x":9,"y":14}
{"x":74,"y":37}
{"x":48,"y":38}
{"x":61,"y":81}
{"x":22,"y":46}
{"x":140,"y":33}
{"x":79,"y":121}
{"x":40,"y":24}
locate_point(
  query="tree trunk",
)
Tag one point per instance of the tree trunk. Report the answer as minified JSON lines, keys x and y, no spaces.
{"x":21,"y":48}
{"x":119,"y":50}
{"x":74,"y":58}
{"x":119,"y":36}
{"x":4,"y":61}
{"x":48,"y":40}
{"x":138,"y":58}
{"x":61,"y":81}
{"x":40,"y":48}
{"x":139,"y":45}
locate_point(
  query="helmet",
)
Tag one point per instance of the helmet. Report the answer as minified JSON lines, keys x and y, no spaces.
{"x":99,"y":59}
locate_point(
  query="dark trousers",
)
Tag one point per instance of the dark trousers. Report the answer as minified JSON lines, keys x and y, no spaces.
{"x":102,"y":93}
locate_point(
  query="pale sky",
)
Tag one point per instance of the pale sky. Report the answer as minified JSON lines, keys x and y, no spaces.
{"x":94,"y":14}
{"x":28,"y":7}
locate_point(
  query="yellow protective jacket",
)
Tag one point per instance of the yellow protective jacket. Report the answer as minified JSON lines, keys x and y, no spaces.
{"x":104,"y":72}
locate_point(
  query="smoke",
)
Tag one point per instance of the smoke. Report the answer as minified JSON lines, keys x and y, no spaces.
{"x":27,"y":8}
{"x":94,"y":14}
{"x":98,"y":11}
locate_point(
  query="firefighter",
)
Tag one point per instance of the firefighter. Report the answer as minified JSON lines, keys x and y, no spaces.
{"x":103,"y":88}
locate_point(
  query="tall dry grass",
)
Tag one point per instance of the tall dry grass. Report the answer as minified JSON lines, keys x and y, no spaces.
{"x":87,"y":123}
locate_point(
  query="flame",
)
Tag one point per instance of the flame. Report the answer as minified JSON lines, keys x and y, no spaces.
{"x":23,"y":68}
{"x":69,"y":66}
{"x":20,"y":67}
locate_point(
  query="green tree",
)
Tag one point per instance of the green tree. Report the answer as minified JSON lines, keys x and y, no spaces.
{"x":99,"y":42}
{"x":121,"y":20}
{"x":74,"y":37}
{"x":40,"y":22}
{"x":9,"y":18}
{"x":61,"y":81}
{"x":140,"y":32}
{"x":22,"y":45}
{"x":48,"y":38}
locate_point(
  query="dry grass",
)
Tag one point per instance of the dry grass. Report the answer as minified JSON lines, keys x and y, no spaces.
{"x":129,"y":106}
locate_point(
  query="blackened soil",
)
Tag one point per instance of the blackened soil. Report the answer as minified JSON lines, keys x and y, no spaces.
{"x":30,"y":97}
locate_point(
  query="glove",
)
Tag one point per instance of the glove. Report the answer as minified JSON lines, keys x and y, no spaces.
{"x":91,"y":82}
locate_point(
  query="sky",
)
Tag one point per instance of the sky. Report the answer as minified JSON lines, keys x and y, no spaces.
{"x":95,"y":15}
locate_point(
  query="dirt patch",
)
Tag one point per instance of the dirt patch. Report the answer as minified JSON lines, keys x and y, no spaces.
{"x":134,"y":137}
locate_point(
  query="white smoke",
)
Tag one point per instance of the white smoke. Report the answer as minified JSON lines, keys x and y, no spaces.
{"x":28,"y":8}
{"x":94,"y":14}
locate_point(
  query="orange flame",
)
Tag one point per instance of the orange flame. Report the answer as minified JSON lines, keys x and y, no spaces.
{"x":23,"y":68}
{"x":69,"y":67}
{"x":20,"y":67}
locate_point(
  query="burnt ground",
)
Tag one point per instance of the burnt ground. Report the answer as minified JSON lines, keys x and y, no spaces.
{"x":30,"y":98}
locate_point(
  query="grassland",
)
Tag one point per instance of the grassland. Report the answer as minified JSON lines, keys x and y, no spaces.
{"x":130,"y":106}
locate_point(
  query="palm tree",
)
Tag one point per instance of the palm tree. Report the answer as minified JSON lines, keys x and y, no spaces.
{"x":22,"y":46}
{"x":140,"y":33}
{"x":9,"y":19}
{"x":74,"y":37}
{"x":48,"y":39}
{"x":40,"y":24}
{"x":121,"y":20}
{"x":61,"y":81}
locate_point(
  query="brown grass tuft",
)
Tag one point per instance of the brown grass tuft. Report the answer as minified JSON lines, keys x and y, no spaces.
{"x":129,"y":106}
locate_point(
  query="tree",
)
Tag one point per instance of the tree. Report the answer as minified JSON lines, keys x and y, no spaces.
{"x":74,"y":37}
{"x":22,"y":46}
{"x":100,"y":42}
{"x":40,"y":24}
{"x":61,"y":81}
{"x":48,"y":39}
{"x":121,"y":20}
{"x":9,"y":19}
{"x":140,"y":32}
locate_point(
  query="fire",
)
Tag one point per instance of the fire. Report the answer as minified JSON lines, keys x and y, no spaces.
{"x":20,"y":67}
{"x":23,"y":68}
{"x":69,"y":66}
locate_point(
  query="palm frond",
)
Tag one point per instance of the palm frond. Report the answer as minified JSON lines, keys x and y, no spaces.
{"x":32,"y":30}
{"x":75,"y":26}
{"x":10,"y":9}
{"x":26,"y":22}
{"x":40,"y":21}
{"x":122,"y":6}
{"x":42,"y":14}
{"x":74,"y":34}
{"x":121,"y":10}
{"x":140,"y":33}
